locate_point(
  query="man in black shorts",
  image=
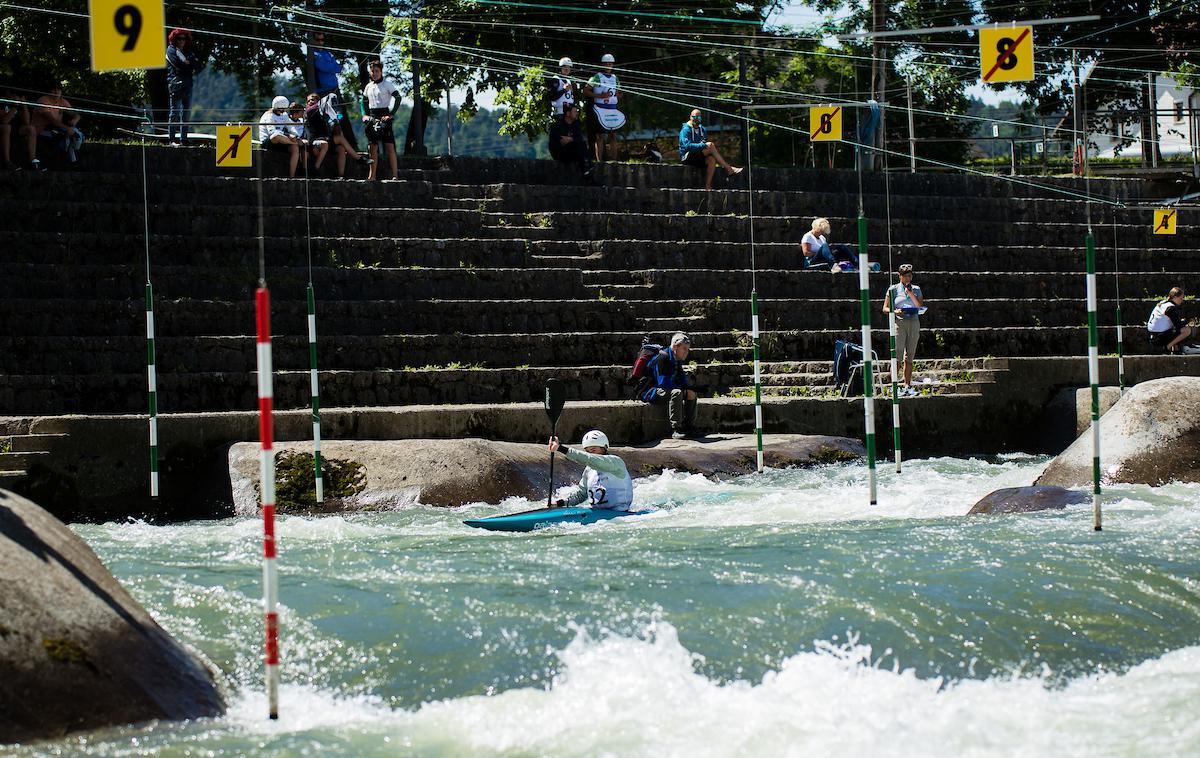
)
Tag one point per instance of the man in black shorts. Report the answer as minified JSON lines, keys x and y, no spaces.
{"x":695,"y":149}
{"x":381,"y":99}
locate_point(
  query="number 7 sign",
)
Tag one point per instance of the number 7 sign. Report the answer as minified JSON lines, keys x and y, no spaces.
{"x":127,"y":34}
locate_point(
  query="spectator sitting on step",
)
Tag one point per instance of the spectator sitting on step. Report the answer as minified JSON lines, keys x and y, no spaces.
{"x":182,"y":64}
{"x":275,"y":132}
{"x":695,"y":149}
{"x":567,"y":144}
{"x":669,"y":383}
{"x":299,"y":129}
{"x":1166,"y":327}
{"x":12,"y":114}
{"x":819,"y":254}
{"x":53,"y":121}
{"x":906,"y":300}
{"x":321,"y":118}
{"x":381,"y":99}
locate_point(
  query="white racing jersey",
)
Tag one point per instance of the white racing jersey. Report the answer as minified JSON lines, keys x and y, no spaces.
{"x":566,"y":98}
{"x":605,"y":483}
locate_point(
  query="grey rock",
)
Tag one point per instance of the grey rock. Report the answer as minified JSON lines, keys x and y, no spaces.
{"x":76,"y":651}
{"x":1151,"y":436}
{"x":1028,"y":500}
{"x":454,"y":472}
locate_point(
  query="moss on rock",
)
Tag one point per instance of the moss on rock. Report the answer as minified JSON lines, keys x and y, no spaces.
{"x":295,"y":488}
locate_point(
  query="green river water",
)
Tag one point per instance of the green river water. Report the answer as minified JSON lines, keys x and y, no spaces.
{"x":776,"y":614}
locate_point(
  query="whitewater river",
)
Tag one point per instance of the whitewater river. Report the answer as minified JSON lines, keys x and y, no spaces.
{"x":772,"y":615}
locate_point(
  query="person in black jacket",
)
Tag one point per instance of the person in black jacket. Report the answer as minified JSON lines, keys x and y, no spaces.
{"x":567,"y":144}
{"x":182,"y":65}
{"x":669,"y":382}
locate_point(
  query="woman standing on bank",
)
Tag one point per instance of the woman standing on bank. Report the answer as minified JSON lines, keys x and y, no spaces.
{"x":182,"y":65}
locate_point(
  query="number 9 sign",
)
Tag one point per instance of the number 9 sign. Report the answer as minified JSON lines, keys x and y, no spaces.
{"x":127,"y":34}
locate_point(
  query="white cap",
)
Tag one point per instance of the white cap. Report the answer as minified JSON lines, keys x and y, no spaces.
{"x":608,"y":58}
{"x":564,"y":62}
{"x":595,"y":438}
{"x":680,"y":338}
{"x":279,"y":103}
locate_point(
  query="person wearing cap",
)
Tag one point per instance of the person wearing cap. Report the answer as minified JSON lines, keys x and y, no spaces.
{"x":905,"y":299}
{"x":182,"y":64}
{"x":603,"y":91}
{"x":669,"y":383}
{"x":275,"y":132}
{"x":695,"y":149}
{"x":605,"y":482}
{"x":560,"y":90}
{"x":567,"y":144}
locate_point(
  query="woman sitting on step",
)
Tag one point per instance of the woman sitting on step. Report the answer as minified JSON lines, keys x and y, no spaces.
{"x":818,"y":253}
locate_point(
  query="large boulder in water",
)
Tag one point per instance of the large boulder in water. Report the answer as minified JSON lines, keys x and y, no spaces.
{"x":1151,"y":436}
{"x":76,"y":651}
{"x":454,"y":472}
{"x":1028,"y":500}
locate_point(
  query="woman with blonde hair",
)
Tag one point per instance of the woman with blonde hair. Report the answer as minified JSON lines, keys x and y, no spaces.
{"x":818,"y":253}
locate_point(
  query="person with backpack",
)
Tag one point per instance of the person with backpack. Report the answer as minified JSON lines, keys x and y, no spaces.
{"x":664,"y":380}
{"x":321,"y":124}
{"x":605,"y":482}
{"x":1166,"y":327}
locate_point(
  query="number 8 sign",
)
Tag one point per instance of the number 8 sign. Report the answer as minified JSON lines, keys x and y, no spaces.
{"x":127,"y":34}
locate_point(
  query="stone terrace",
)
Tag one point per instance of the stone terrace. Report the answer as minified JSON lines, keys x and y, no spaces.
{"x":471,"y":280}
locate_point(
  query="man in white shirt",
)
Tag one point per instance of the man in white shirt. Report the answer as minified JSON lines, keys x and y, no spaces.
{"x":275,"y":133}
{"x":381,"y":99}
{"x":906,"y":300}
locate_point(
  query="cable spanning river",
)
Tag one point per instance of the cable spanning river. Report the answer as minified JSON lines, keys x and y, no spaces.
{"x":774,"y":614}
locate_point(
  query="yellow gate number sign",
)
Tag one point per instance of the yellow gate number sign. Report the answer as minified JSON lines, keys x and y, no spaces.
{"x":127,"y":34}
{"x":1164,"y":220}
{"x":233,"y":146}
{"x":1006,"y":54}
{"x":825,"y":123}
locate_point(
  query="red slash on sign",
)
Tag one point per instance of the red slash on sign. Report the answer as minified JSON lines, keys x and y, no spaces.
{"x":1009,"y":53}
{"x":1165,"y":222}
{"x":233,"y":146}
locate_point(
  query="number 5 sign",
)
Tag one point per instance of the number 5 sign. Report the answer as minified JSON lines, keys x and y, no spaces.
{"x":127,"y":34}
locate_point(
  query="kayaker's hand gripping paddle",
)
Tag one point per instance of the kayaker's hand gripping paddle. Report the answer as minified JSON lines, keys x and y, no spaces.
{"x":556,"y":398}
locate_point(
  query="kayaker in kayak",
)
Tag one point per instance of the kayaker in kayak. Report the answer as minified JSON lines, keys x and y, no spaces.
{"x":605,"y":482}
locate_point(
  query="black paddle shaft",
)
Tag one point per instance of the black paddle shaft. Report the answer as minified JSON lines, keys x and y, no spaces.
{"x":556,"y":398}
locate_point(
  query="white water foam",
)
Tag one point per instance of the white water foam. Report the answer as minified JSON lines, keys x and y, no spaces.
{"x":624,"y":696}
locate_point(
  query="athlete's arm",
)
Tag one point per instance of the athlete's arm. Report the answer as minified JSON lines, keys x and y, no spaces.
{"x":609,"y":464}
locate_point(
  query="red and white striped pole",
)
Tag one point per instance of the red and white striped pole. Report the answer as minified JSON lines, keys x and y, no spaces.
{"x":266,"y":470}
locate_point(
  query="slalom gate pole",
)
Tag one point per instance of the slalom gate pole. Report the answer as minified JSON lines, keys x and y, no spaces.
{"x":151,"y":368}
{"x":1094,"y":378}
{"x":887,"y":189}
{"x":315,"y":390}
{"x":316,"y":393}
{"x":1120,"y":329}
{"x":864,"y":288}
{"x":266,"y":470}
{"x":758,"y":413}
{"x":864,"y":297}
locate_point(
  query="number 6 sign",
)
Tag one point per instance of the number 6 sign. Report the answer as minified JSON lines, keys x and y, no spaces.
{"x":127,"y":34}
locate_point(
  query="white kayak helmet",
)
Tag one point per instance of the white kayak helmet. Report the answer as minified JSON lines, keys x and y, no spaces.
{"x":595,"y":438}
{"x":608,"y":58}
{"x":280,"y":103}
{"x":564,"y":62}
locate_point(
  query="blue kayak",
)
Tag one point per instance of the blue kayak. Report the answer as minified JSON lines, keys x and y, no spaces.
{"x":528,"y":521}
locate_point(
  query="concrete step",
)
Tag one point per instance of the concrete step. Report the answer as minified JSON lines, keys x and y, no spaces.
{"x":21,"y":462}
{"x":33,"y":443}
{"x":11,"y":480}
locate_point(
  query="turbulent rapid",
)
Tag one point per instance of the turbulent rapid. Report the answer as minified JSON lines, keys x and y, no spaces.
{"x":773,"y":614}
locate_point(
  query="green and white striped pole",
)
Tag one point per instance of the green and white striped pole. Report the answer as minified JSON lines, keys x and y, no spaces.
{"x":758,"y":418}
{"x":152,"y":384}
{"x":864,"y":288}
{"x":895,"y":379}
{"x":1094,"y":377}
{"x":316,"y":393}
{"x":758,"y":414}
{"x":1120,"y":329}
